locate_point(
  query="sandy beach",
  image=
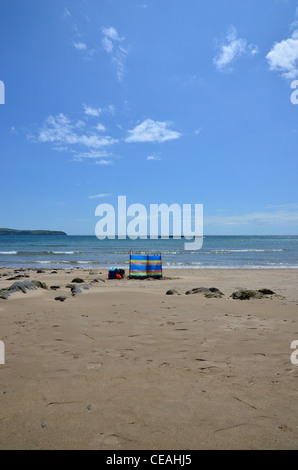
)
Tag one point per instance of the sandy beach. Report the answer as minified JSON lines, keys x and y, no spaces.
{"x":123,"y":366}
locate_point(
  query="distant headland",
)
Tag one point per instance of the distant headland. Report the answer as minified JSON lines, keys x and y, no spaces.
{"x":10,"y":231}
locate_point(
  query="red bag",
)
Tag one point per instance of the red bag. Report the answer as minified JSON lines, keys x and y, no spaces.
{"x":118,"y":276}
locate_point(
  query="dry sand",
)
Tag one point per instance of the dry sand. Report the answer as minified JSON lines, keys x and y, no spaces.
{"x":124,"y":366}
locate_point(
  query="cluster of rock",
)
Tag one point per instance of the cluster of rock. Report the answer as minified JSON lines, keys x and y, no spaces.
{"x":23,"y":286}
{"x":75,"y":289}
{"x":246,"y":294}
{"x":214,"y":293}
{"x":26,"y":285}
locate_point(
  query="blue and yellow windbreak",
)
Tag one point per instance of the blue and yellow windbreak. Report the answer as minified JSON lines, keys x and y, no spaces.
{"x":145,"y":266}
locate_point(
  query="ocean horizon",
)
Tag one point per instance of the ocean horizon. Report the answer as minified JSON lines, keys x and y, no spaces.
{"x":86,"y":251}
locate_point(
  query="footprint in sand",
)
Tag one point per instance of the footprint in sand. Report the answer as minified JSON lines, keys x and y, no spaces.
{"x":166,"y":364}
{"x":94,"y":365}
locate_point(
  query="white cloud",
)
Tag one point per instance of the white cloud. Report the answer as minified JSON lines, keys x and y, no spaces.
{"x":198,"y":131}
{"x":80,"y":123}
{"x":110,"y":34}
{"x":255,"y":218}
{"x":112,"y":44}
{"x":189,"y":80}
{"x":231,"y":49}
{"x":90,"y":111}
{"x":59,"y":129}
{"x":292,"y":205}
{"x":99,"y":196}
{"x":66,"y":12}
{"x":283,"y":57}
{"x":152,"y":157}
{"x":100,"y":127}
{"x":95,"y":154}
{"x":152,"y":131}
{"x":60,"y":148}
{"x":81,"y":46}
{"x":110,"y":109}
{"x":104,"y":162}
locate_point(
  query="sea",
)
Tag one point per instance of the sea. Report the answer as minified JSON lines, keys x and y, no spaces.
{"x":217,"y":252}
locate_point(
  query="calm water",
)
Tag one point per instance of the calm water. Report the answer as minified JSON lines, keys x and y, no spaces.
{"x":224,"y":252}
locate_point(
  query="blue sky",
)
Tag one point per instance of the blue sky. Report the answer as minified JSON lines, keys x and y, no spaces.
{"x":172,"y":101}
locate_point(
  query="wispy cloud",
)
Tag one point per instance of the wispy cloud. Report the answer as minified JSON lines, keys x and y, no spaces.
{"x":112,"y":43}
{"x":100,"y":127}
{"x":188,"y":80}
{"x":104,"y":162}
{"x":292,"y":205}
{"x":81,"y":46}
{"x":255,"y":219}
{"x":66,"y":12}
{"x":80,"y":31}
{"x":91,"y":154}
{"x":152,"y":131}
{"x":198,"y":131}
{"x":283,"y":56}
{"x":59,"y":129}
{"x":153,"y":158}
{"x":231,"y":49}
{"x":91,"y":111}
{"x":100,"y":196}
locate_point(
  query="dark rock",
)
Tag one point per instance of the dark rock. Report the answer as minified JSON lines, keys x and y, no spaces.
{"x":78,"y":280}
{"x":211,"y":293}
{"x":53,"y":272}
{"x":246,"y":294}
{"x":4,"y":295}
{"x":41,"y":285}
{"x":40,"y":271}
{"x":214,"y":295}
{"x":61,"y":298}
{"x":172,"y":292}
{"x":18,"y":276}
{"x":22,"y":286}
{"x":266,"y":291}
{"x":55,"y":287}
{"x":75,"y":290}
{"x":198,"y":290}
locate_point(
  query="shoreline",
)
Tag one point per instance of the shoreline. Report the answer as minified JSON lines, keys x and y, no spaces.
{"x":106,"y":268}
